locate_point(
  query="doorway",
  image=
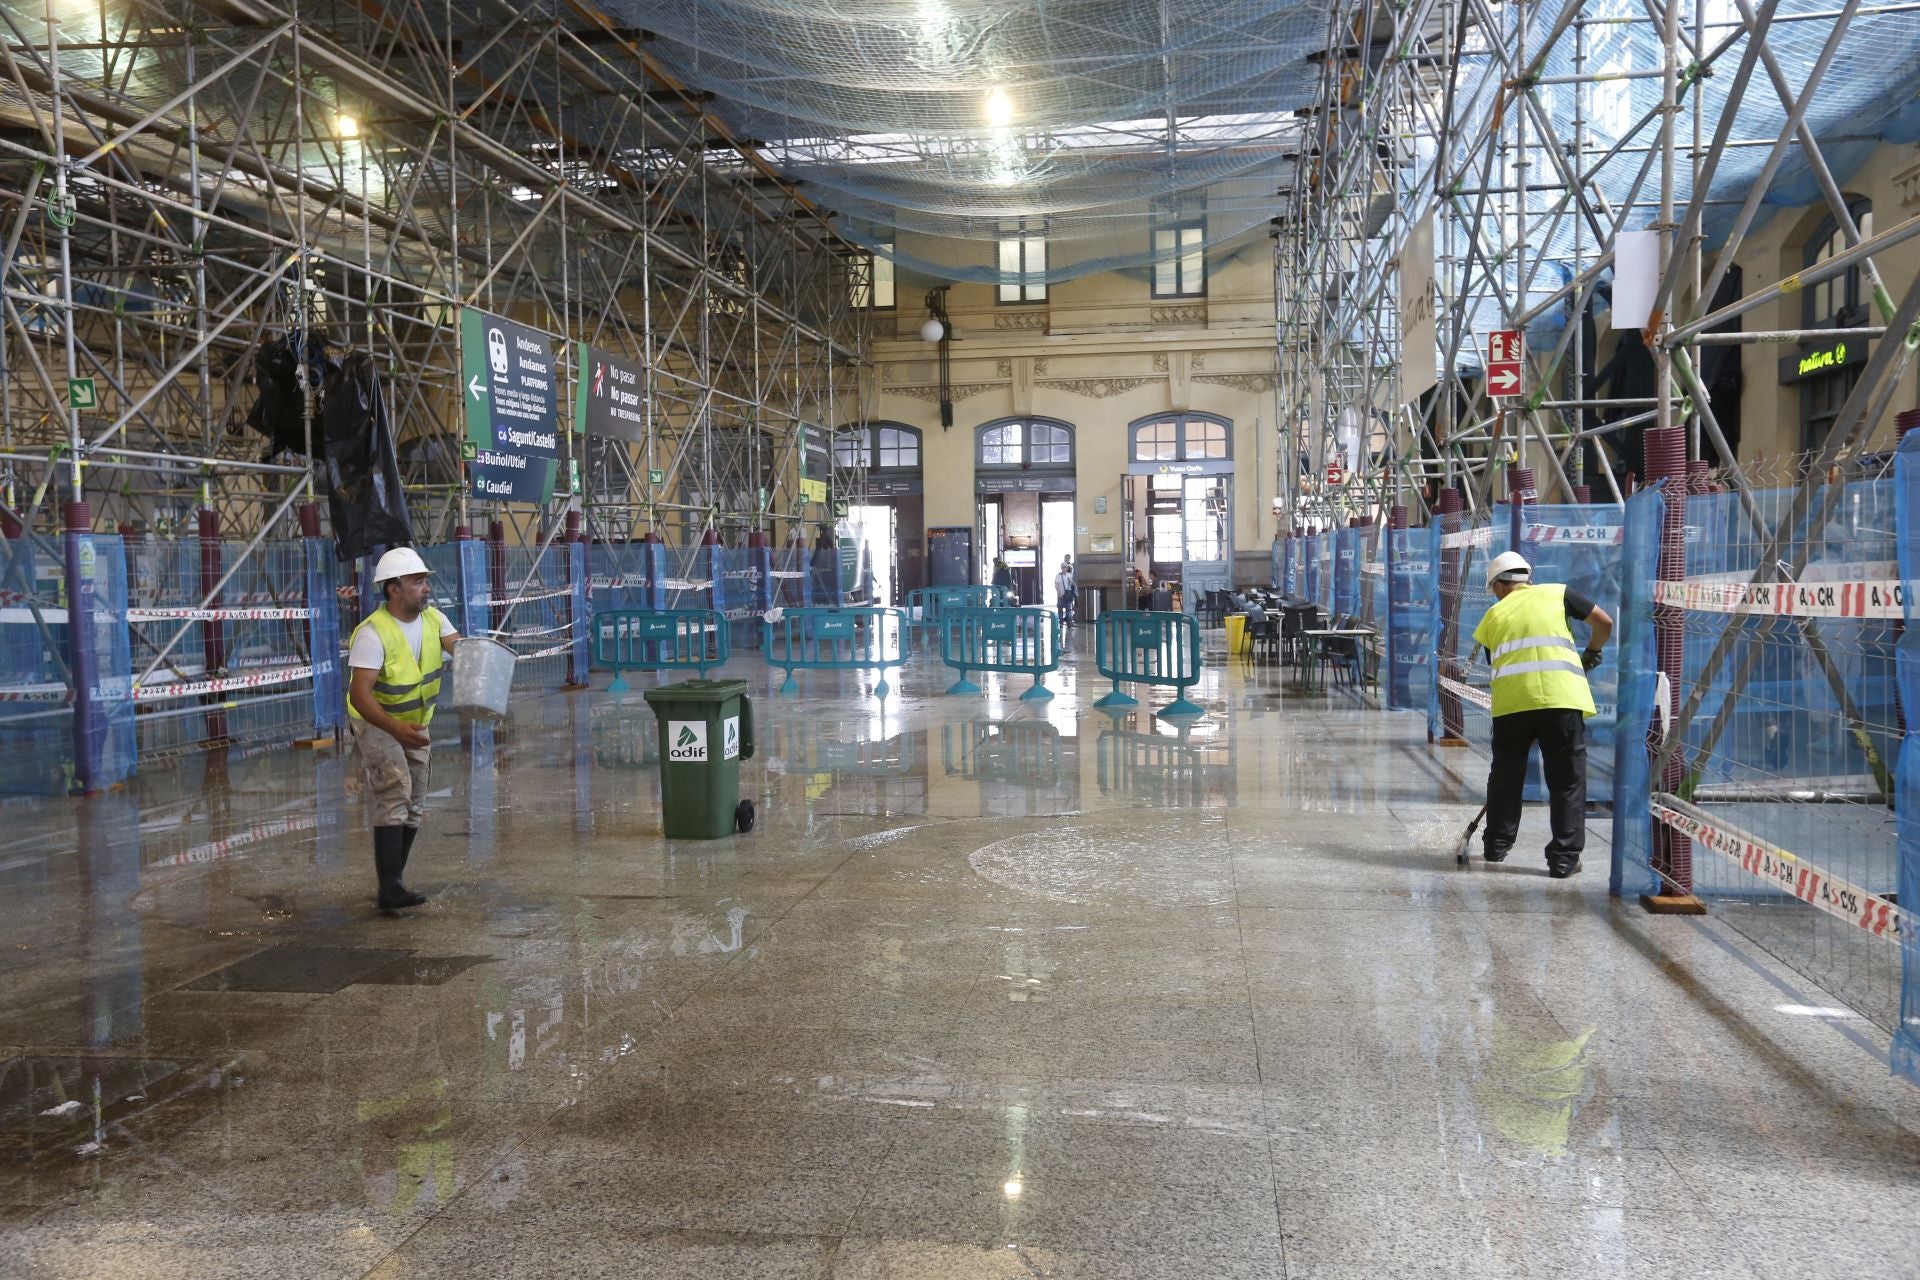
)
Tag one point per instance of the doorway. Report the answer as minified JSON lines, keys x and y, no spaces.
{"x":873,"y":528}
{"x":1179,"y":502}
{"x":1024,"y":486}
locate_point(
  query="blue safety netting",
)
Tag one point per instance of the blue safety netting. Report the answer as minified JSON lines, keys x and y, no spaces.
{"x":100,"y":596}
{"x":1290,"y":573}
{"x":1412,"y":603}
{"x":1584,"y":547}
{"x":1906,"y":1039}
{"x":1346,"y":573}
{"x":1636,"y":664}
{"x":1786,"y":720}
{"x":1868,"y":95}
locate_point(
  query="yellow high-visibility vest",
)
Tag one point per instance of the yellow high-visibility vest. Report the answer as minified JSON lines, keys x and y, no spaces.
{"x":406,"y":686}
{"x":1536,"y":664}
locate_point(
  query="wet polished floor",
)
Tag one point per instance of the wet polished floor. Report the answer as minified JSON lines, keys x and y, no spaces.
{"x":995,"y":989}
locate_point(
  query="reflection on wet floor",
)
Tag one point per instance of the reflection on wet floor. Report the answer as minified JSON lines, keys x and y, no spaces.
{"x":996,"y":988}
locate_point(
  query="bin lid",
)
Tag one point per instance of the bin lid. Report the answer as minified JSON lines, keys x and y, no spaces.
{"x":700,"y":691}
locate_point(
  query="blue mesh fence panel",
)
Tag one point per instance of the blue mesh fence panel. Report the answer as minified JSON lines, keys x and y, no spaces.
{"x":36,"y":718}
{"x":323,"y":637}
{"x":1346,"y":572}
{"x":1410,"y":619}
{"x":1636,"y":664}
{"x":1792,"y":742}
{"x":791,"y":580}
{"x":1467,"y":543}
{"x":538,"y":622}
{"x":1906,"y":1038}
{"x":1310,"y":567}
{"x":1277,"y":571}
{"x":1290,"y":568}
{"x":1583,"y":547}
{"x":100,"y":598}
{"x":689,"y":581}
{"x":740,"y":586}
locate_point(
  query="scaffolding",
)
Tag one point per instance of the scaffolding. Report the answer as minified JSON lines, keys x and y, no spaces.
{"x":183,"y":182}
{"x":1486,"y":193}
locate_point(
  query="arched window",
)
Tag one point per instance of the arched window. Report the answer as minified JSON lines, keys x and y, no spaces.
{"x":1182,"y":437}
{"x":877,"y":446}
{"x":1030,"y":444}
{"x":1838,"y":303}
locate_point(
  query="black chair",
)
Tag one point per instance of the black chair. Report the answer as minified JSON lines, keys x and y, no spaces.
{"x":1213,"y":608}
{"x":1266,"y":638}
{"x":1295,"y":620}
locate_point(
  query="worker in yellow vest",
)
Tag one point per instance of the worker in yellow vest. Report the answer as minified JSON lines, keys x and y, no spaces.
{"x":1540,"y":695}
{"x":395,"y":661}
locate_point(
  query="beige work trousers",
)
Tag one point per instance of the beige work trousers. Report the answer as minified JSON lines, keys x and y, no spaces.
{"x":396,"y":775}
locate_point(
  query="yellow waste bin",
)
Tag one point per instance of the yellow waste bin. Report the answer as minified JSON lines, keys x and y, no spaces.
{"x":1236,"y":633}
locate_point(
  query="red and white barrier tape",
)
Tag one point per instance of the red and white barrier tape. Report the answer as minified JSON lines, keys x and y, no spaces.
{"x":52,"y":617}
{"x":218,"y":615}
{"x":1469,"y":693}
{"x":544,"y":653}
{"x":1562,"y":535}
{"x":1884,"y":598}
{"x":221,"y":684}
{"x":37,"y":693}
{"x":1480,"y":537}
{"x":215,"y":850}
{"x":687,"y":584}
{"x":1808,"y":883}
{"x":508,"y":602}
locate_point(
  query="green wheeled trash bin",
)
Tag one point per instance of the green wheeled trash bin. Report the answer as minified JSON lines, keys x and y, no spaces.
{"x":706,"y":730}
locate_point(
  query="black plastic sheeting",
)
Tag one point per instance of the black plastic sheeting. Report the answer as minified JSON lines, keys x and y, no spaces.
{"x":364,"y":495}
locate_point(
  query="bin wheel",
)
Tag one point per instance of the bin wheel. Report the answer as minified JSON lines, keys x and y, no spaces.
{"x":743,"y":816}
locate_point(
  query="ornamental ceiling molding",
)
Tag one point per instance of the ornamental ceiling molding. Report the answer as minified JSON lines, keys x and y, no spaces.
{"x":1096,"y":388}
{"x":958,"y":392}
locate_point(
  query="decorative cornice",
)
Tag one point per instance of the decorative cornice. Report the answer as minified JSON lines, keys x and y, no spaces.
{"x":960,"y":391}
{"x":1907,"y":182}
{"x":1004,"y":366}
{"x":1253,"y":382}
{"x":1097,"y":388}
{"x":1181,"y":313}
{"x":1159,"y":362}
{"x":1020,"y":321}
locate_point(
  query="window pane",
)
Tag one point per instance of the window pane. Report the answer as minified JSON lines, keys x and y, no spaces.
{"x":1192,"y":236}
{"x":1036,"y":255}
{"x":883,"y":280}
{"x":1163,"y":278}
{"x":1193,"y":273}
{"x":1163,"y":242}
{"x":847,"y":450}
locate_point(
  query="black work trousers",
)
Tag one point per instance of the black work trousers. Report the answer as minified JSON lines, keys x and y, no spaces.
{"x":1562,"y":735}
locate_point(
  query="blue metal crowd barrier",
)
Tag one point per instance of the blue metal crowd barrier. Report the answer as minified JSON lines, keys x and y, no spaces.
{"x":849,"y":639}
{"x":927,"y":605}
{"x":1148,"y":648}
{"x":1016,"y":641}
{"x":659,"y":640}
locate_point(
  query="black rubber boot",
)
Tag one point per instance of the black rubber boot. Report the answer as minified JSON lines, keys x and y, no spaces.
{"x":406,"y":851}
{"x":389,"y":849}
{"x":1560,"y":866}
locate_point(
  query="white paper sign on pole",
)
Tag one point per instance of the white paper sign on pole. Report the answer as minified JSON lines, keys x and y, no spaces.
{"x":1636,"y":275}
{"x":1418,"y":339}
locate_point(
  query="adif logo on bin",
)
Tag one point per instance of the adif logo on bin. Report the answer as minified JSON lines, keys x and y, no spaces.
{"x":730,"y":742}
{"x":687,"y":740}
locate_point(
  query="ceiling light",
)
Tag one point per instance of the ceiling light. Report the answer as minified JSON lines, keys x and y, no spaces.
{"x":346,"y":126}
{"x":999,"y":108}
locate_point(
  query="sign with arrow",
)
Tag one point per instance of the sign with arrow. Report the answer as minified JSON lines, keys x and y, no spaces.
{"x":1506,"y":353}
{"x":508,"y":374}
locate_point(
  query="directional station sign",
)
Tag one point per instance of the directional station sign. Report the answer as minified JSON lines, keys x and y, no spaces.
{"x":1506,"y":353}
{"x":507,"y":380}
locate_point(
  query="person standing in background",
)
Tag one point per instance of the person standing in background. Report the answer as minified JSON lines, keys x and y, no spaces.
{"x":395,"y":660}
{"x":1064,"y":589}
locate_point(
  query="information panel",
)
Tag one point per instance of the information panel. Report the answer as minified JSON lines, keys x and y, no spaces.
{"x":507,"y":379}
{"x":609,"y":397}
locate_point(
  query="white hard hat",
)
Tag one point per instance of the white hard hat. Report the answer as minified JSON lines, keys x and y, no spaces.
{"x":400,"y":562}
{"x":1509,"y":566}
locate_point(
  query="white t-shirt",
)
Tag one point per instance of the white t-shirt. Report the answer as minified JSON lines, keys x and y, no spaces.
{"x":369,"y":654}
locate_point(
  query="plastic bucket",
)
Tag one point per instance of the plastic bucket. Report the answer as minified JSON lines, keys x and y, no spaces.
{"x":482,"y":677}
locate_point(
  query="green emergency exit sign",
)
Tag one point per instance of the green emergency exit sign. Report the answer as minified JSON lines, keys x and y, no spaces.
{"x":81,"y":394}
{"x":656,"y":476}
